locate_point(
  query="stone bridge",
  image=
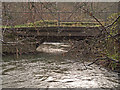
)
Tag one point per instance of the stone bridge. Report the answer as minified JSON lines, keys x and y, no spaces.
{"x":26,"y":39}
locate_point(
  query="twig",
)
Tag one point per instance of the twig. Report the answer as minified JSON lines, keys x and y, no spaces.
{"x":76,"y":10}
{"x":96,"y":61}
{"x":104,"y":29}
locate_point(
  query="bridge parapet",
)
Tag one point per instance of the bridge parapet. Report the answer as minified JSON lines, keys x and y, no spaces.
{"x":56,"y":31}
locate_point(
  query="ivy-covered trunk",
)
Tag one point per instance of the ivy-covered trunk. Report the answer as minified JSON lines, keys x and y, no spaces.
{"x":119,"y":41}
{"x":119,"y":32}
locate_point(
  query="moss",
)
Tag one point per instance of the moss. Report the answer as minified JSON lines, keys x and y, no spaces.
{"x":10,"y":36}
{"x":112,"y":47}
{"x":51,"y":23}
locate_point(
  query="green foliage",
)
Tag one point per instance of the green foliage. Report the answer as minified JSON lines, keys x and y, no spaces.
{"x":10,"y":35}
{"x":112,"y":17}
{"x":112,"y":46}
{"x":50,"y":23}
{"x":55,"y":23}
{"x":113,"y":30}
{"x":43,"y":23}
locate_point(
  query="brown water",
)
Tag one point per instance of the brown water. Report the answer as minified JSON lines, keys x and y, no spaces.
{"x":51,"y":70}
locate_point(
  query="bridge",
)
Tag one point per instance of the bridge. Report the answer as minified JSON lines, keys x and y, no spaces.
{"x":54,"y":31}
{"x":39,"y":35}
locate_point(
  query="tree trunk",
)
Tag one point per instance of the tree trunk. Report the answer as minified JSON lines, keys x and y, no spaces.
{"x":119,"y":31}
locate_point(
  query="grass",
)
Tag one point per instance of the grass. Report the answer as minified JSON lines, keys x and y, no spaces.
{"x":54,"y":23}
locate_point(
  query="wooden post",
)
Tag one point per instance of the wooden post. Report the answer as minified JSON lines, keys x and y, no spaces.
{"x":41,"y":10}
{"x":17,"y":51}
{"x":58,"y":13}
{"x":58,"y":19}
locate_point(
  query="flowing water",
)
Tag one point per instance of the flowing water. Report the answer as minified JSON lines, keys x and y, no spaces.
{"x":51,"y":69}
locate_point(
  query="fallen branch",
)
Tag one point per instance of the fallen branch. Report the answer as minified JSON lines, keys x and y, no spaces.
{"x":106,"y":58}
{"x":116,"y":61}
{"x":96,"y":61}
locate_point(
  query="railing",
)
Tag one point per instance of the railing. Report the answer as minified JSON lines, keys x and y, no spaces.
{"x":61,"y":17}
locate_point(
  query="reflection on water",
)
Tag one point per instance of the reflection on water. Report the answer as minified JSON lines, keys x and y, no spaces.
{"x":54,"y":71}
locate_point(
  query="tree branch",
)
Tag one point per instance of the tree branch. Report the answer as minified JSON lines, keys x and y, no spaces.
{"x":113,"y":22}
{"x":106,"y":58}
{"x":104,"y":28}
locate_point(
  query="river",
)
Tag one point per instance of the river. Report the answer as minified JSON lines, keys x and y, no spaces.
{"x":51,"y":69}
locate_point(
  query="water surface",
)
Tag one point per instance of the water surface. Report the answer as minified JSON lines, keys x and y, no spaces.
{"x":54,"y":70}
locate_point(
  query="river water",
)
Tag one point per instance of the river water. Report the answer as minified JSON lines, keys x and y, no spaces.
{"x":51,"y":69}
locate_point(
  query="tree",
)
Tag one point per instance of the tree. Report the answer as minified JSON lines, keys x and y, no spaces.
{"x":119,"y":31}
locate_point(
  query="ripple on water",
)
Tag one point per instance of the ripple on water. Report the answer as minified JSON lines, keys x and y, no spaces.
{"x":55,"y":71}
